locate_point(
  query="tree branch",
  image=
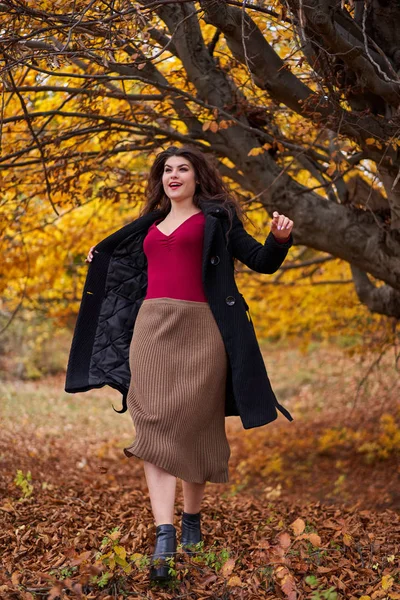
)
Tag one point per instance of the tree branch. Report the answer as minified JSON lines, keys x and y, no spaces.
{"x":383,"y":300}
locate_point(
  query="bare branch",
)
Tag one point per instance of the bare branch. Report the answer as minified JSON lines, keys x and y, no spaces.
{"x":383,"y":300}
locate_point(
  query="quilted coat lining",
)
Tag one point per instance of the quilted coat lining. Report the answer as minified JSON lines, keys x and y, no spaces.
{"x":118,"y":313}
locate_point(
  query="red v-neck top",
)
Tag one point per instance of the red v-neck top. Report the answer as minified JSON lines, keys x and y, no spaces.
{"x":174,"y":261}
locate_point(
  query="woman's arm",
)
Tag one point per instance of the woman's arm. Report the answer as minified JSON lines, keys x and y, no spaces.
{"x":262,"y":258}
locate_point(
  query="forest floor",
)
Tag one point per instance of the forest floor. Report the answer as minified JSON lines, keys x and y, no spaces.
{"x":311,"y":509}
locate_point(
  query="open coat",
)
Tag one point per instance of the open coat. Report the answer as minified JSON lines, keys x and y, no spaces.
{"x":116,"y":286}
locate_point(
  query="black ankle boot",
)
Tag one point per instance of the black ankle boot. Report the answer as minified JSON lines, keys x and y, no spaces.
{"x":191,"y":530}
{"x":165,"y":547}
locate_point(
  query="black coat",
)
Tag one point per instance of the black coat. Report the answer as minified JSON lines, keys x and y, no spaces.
{"x":115,"y":288}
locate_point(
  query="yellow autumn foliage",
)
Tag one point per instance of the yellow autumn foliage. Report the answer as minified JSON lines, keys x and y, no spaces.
{"x":52,"y":211}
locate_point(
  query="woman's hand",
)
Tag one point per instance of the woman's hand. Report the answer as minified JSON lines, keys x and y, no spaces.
{"x":89,"y":257}
{"x":281,"y":226}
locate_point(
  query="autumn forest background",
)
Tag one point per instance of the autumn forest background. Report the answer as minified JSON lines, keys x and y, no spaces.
{"x":298,"y":105}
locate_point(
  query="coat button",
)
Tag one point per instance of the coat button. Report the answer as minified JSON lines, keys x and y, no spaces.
{"x":214,"y":260}
{"x":230,"y":300}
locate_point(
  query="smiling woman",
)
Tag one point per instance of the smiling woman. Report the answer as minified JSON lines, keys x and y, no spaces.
{"x":179,"y":183}
{"x":169,"y":328}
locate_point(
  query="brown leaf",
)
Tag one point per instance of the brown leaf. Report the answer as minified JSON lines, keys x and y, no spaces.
{"x":284,"y":540}
{"x":288,"y":587}
{"x":15,"y":578}
{"x":298,"y":526}
{"x":55,"y":591}
{"x":315,"y":539}
{"x":347,"y":539}
{"x":228,"y":567}
{"x":84,"y":556}
{"x":281,"y":572}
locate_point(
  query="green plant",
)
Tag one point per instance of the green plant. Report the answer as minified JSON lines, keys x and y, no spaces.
{"x":101,"y":580}
{"x":22,"y":481}
{"x":64,"y":573}
{"x":215,"y":560}
{"x":319,"y":593}
{"x":112,"y":553}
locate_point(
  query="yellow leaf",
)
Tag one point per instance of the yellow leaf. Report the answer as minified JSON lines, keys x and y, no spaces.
{"x":228,"y":567}
{"x":233,"y":581}
{"x":255,"y":151}
{"x":120,"y":561}
{"x":298,"y":526}
{"x":120,"y":551}
{"x":370,"y":141}
{"x":223,"y":125}
{"x":136,"y":557}
{"x":387,"y":582}
{"x":365,"y":598}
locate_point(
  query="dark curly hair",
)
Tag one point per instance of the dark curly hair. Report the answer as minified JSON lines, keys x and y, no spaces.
{"x":210,"y":188}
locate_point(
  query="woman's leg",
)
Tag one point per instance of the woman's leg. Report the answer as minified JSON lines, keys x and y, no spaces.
{"x":162,"y":487}
{"x":192,"y":496}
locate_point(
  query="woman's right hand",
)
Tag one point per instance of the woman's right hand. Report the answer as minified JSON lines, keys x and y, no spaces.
{"x":89,"y":257}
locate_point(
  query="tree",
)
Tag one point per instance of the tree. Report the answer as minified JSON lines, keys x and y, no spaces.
{"x":298,"y":101}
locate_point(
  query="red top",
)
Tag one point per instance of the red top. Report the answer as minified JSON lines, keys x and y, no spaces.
{"x":174,"y":261}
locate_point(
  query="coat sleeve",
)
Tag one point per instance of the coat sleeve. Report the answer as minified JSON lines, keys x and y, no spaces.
{"x":262,"y":258}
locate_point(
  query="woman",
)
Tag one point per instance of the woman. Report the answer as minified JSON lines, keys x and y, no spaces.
{"x":164,"y":291}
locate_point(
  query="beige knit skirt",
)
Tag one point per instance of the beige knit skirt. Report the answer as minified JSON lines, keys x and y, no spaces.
{"x":176,"y":396}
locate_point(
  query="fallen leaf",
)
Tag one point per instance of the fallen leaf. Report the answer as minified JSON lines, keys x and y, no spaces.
{"x":228,"y":567}
{"x":298,"y":526}
{"x":387,"y":582}
{"x":315,"y":539}
{"x":120,"y":551}
{"x":15,"y":578}
{"x":284,"y":540}
{"x":234,"y":581}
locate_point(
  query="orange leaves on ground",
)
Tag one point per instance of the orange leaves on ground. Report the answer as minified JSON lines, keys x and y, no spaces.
{"x":299,"y":526}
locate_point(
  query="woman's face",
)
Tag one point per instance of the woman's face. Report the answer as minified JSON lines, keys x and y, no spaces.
{"x":179,"y":178}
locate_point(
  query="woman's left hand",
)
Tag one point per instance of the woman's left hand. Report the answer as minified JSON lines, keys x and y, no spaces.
{"x":281,"y":226}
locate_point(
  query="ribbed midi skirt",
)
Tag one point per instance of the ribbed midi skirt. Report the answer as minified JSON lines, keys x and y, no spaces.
{"x":176,"y":397}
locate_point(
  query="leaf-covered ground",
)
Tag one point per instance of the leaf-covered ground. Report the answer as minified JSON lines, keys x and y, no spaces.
{"x":311,"y":510}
